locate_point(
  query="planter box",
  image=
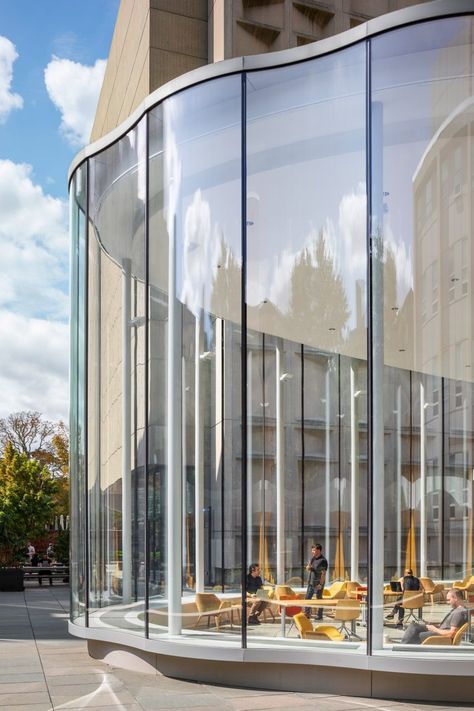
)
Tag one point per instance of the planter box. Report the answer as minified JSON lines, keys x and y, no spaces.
{"x":11,"y":580}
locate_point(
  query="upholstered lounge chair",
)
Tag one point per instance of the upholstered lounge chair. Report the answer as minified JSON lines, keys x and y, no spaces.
{"x":448,"y":641}
{"x":321,"y":632}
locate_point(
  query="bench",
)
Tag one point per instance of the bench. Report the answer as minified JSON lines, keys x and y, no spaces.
{"x":48,"y":574}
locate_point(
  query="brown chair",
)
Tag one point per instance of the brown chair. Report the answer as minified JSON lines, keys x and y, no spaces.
{"x":208,"y":605}
{"x":347,"y":611}
{"x":432,"y":589}
{"x":322,"y":632}
{"x":449,"y":641}
{"x":286,"y":590}
{"x":466,"y":586}
{"x":413,"y":600}
{"x":294,"y":581}
{"x":460,"y":584}
{"x":351,"y":589}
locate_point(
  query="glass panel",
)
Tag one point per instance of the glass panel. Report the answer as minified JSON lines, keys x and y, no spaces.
{"x":116,"y":383}
{"x":195,"y":283}
{"x":157,"y":379}
{"x":78,"y":198}
{"x":306,"y":272}
{"x":422,"y":128}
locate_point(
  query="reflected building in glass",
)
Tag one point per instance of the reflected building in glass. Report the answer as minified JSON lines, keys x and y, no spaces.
{"x":271,"y":347}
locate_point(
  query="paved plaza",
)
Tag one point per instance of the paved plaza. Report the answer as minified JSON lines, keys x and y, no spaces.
{"x":43,"y":668}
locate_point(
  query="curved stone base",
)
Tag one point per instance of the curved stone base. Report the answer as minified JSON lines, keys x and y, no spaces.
{"x":288,"y":677}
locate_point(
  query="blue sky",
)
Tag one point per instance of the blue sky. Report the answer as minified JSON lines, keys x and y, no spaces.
{"x":51,"y":69}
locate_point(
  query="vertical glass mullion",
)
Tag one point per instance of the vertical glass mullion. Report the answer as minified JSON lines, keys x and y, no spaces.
{"x":146,"y":373}
{"x":243,"y":361}
{"x":86,"y":397}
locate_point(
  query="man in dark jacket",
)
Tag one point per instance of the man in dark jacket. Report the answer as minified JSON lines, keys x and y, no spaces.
{"x":317,"y":568}
{"x":409,"y":582}
{"x":255,"y":583}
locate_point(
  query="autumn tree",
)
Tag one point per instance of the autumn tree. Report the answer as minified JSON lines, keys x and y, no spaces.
{"x":27,"y":431}
{"x":27,"y":501}
{"x":43,"y":441}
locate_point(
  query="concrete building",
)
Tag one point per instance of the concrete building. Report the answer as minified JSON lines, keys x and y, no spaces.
{"x":157,"y":40}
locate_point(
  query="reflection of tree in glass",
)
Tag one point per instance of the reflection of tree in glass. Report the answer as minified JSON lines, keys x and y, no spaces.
{"x":317,"y":291}
{"x":398,"y":317}
{"x":226,"y":292}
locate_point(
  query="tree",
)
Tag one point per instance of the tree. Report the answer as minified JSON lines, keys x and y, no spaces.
{"x":318,"y":295}
{"x":27,"y":431}
{"x":27,"y":501}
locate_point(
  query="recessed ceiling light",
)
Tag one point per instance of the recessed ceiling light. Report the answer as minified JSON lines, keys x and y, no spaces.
{"x":332,"y":328}
{"x":394,"y":308}
{"x":401,"y":350}
{"x":454,"y":278}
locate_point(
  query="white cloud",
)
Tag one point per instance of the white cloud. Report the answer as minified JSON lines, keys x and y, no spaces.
{"x":74,"y":89}
{"x":33,"y":246}
{"x":34,"y":307}
{"x":8,"y":100}
{"x":34,"y":357}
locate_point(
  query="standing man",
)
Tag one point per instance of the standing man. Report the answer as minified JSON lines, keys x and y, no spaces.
{"x":317,"y":568}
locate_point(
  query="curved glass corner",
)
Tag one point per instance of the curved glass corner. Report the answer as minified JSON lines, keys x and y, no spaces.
{"x":271,"y":348}
{"x":77,"y":377}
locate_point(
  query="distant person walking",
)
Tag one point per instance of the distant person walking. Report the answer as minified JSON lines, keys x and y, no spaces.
{"x":30,"y":550}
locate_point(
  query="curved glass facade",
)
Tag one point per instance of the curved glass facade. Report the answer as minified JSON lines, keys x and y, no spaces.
{"x":272,"y":346}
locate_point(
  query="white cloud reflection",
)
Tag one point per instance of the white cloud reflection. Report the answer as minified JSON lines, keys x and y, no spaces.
{"x":200,"y":255}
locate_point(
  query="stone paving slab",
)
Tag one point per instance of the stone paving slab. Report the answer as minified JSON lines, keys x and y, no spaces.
{"x":42,"y":668}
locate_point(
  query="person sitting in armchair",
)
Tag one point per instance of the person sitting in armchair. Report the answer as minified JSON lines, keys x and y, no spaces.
{"x":417,"y":632}
{"x":254,"y":583}
{"x":409,"y":582}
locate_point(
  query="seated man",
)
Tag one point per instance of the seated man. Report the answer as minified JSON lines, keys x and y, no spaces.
{"x":254,"y":583}
{"x":45,"y":563}
{"x":409,"y":582}
{"x":417,"y":632}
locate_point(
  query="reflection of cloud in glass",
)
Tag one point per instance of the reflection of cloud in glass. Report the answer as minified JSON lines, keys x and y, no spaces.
{"x":173,"y":167}
{"x":137,"y":139}
{"x":200,"y":255}
{"x":352,"y":229}
{"x":345,"y":247}
{"x":403,"y":263}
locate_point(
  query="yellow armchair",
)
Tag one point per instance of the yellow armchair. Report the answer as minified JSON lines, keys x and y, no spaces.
{"x":336,"y":591}
{"x":466,"y":585}
{"x":432,"y":589}
{"x":439,"y":640}
{"x":321,"y":632}
{"x":208,"y":605}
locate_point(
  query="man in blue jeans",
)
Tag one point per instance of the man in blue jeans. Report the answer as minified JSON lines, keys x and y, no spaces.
{"x":317,"y":568}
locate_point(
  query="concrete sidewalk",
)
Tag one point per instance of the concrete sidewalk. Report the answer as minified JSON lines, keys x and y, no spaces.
{"x":42,"y":668}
